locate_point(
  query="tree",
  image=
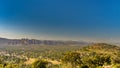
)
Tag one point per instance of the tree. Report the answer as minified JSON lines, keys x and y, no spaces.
{"x":39,"y":64}
{"x":99,"y":60}
{"x":72,"y":57}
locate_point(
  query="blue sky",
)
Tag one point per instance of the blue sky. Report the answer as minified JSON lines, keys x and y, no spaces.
{"x":90,"y":20}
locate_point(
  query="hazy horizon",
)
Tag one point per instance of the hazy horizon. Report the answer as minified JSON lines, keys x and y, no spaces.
{"x":96,"y":21}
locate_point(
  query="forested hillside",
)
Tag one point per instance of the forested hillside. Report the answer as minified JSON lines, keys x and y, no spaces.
{"x":99,"y":55}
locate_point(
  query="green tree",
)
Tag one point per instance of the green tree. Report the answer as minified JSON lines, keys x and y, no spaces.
{"x":99,"y":60}
{"x":39,"y":64}
{"x":72,"y":57}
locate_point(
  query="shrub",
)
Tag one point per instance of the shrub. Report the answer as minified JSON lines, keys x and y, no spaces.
{"x":116,"y":66}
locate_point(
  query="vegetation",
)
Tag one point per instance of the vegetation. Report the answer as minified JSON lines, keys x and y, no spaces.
{"x":40,"y":64}
{"x":98,"y":55}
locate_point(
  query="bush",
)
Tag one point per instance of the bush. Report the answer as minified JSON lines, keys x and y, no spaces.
{"x":84,"y":66}
{"x":116,"y":66}
{"x":12,"y":66}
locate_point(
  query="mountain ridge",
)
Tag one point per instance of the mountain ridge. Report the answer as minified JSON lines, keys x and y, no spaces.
{"x":25,"y":41}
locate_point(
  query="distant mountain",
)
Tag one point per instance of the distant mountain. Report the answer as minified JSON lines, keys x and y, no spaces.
{"x":4,"y":41}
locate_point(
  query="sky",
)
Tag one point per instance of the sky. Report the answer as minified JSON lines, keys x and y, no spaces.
{"x":88,"y":20}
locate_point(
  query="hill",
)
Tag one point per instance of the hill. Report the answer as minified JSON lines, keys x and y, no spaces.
{"x":101,"y":47}
{"x":99,"y":55}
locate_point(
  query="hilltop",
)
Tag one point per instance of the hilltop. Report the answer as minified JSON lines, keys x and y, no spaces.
{"x":101,"y":47}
